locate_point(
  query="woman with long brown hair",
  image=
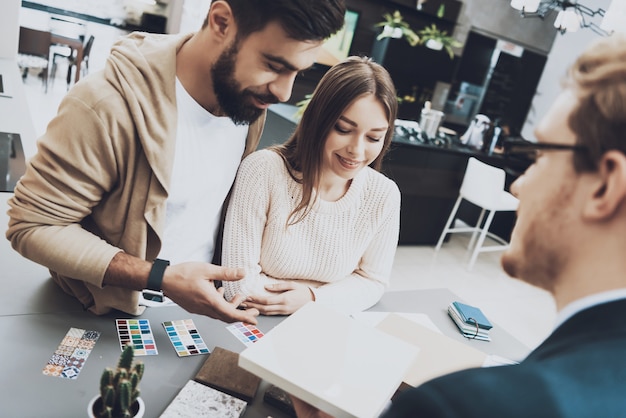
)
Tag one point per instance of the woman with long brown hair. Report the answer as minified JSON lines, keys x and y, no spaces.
{"x":313,"y":219}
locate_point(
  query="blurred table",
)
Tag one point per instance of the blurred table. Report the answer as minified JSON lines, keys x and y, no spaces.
{"x":65,"y":31}
{"x":15,"y":124}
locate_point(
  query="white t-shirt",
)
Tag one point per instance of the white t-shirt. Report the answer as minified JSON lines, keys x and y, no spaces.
{"x":208,"y":153}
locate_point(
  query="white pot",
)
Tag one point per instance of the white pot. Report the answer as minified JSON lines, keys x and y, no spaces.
{"x":434,"y":44}
{"x":392,"y":32}
{"x":92,"y":402}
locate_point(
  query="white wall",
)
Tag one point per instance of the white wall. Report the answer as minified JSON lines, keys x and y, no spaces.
{"x":565,"y":50}
{"x":9,"y":28}
{"x":193,"y":14}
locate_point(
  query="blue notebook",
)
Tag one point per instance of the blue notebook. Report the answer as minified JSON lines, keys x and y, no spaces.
{"x":472,"y":315}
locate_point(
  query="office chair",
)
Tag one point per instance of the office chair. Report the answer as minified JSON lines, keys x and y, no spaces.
{"x":70,"y":55}
{"x":34,"y":52}
{"x":483,"y":185}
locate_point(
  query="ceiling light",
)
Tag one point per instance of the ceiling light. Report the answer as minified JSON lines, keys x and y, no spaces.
{"x":571,"y":14}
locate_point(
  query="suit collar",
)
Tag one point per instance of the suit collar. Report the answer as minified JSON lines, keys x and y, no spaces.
{"x":587,"y":302}
{"x":599,"y":322}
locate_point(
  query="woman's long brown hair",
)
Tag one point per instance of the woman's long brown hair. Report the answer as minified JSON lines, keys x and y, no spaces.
{"x":342,"y":84}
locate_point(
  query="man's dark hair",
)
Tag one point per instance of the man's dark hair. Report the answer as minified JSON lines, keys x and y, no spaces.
{"x":302,"y":20}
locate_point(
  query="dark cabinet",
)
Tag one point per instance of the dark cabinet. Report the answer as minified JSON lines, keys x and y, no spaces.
{"x":511,"y":87}
{"x":415,"y":70}
{"x":501,"y":87}
{"x":429,"y":180}
{"x":494,"y":78}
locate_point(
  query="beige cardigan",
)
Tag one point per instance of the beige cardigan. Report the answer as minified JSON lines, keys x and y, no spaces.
{"x":99,"y":181}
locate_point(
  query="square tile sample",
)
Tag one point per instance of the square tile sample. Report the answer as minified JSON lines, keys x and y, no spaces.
{"x":69,"y":358}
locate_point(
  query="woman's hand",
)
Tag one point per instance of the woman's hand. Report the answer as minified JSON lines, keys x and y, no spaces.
{"x":287,"y":298}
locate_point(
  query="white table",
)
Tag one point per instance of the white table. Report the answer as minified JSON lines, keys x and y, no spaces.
{"x":63,"y":32}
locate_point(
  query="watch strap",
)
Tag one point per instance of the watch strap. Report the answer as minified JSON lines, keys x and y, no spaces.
{"x":155,"y":278}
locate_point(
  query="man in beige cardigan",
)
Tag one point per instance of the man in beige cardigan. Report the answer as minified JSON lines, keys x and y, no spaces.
{"x":112,"y":172}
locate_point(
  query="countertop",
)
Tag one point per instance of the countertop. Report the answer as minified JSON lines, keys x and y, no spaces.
{"x":452,"y":145}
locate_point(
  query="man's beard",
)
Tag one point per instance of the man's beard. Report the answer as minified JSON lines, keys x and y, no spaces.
{"x":233,"y":101}
{"x":540,"y":253}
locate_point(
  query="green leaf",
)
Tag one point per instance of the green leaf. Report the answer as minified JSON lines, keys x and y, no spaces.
{"x":397,"y":21}
{"x":441,"y":11}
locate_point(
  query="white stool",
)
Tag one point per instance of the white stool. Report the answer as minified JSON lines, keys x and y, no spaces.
{"x":483,"y":185}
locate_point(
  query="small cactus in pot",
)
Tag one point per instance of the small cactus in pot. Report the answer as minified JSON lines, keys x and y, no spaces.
{"x":119,"y":388}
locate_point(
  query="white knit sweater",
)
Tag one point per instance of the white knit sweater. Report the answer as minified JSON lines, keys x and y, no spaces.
{"x":344,"y":250}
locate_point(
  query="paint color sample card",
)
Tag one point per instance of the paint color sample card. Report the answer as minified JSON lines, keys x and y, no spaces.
{"x":246,"y":333}
{"x":185,"y":337}
{"x":138,"y":333}
{"x":71,"y":354}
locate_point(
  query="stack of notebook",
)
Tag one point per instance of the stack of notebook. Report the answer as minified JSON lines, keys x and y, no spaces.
{"x":471,"y":321}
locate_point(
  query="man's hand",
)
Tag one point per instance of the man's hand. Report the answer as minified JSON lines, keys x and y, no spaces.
{"x":288,"y":298}
{"x":191,"y":285}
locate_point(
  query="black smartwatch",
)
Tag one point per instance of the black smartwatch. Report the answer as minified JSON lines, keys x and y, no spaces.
{"x":153,"y":290}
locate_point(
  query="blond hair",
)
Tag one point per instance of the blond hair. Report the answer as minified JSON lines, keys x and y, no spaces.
{"x":598,"y":77}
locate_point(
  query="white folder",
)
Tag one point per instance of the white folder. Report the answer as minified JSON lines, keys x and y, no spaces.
{"x":332,"y":361}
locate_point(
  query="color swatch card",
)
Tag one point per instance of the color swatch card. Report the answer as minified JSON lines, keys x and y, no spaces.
{"x":246,"y":333}
{"x":138,"y":333}
{"x":71,"y":354}
{"x":185,"y":338}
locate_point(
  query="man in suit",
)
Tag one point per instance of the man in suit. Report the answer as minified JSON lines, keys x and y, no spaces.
{"x":570,"y":239}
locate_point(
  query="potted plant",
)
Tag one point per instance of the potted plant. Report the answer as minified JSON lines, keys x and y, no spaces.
{"x":394,"y":26}
{"x":119,"y":389}
{"x":436,"y":39}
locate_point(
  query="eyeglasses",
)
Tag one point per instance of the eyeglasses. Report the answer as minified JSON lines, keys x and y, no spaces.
{"x":531,"y":150}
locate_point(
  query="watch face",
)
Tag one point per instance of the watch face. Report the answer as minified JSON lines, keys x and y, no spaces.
{"x":153,"y":295}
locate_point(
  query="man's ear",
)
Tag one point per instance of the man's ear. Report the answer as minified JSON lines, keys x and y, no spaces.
{"x":221,"y":22}
{"x":609,"y":190}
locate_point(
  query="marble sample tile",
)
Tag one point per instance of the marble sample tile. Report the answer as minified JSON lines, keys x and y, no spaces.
{"x":196,"y":400}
